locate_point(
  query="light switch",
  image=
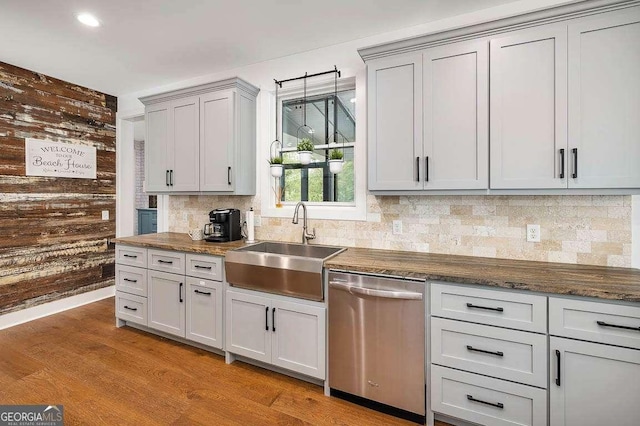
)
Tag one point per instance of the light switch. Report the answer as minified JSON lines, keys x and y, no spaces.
{"x":105,"y":214}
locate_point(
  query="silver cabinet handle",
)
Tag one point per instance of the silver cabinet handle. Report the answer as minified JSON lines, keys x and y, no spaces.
{"x":387,"y":294}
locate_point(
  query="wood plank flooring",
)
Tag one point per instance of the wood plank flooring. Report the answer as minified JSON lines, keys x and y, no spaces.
{"x":122,"y":376}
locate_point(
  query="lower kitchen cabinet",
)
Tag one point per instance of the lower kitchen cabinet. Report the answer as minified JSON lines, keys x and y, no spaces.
{"x":593,"y":384}
{"x":204,"y":312}
{"x":283,"y":333}
{"x":166,"y":302}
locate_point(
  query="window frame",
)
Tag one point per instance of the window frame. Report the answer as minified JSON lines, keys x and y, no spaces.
{"x":356,"y":210}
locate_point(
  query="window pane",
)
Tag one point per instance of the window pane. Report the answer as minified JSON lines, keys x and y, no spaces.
{"x":314,"y":182}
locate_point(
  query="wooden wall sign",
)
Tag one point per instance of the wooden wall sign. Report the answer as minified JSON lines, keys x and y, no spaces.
{"x":46,"y":158}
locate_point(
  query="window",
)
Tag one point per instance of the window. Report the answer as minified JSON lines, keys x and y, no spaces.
{"x":329,"y":117}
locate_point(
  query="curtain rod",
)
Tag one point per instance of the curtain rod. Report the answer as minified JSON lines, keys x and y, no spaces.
{"x":334,"y":70}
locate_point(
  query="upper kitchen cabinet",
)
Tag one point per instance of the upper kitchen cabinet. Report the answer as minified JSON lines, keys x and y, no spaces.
{"x":560,"y":116}
{"x":394,"y":90}
{"x":428,"y":119}
{"x":604,"y":100}
{"x":456,"y":134}
{"x":529,"y":109}
{"x":202,"y":139}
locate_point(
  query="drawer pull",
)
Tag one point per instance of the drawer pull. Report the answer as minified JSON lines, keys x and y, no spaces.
{"x":497,"y":404}
{"x":266,"y":318}
{"x":130,"y":280}
{"x":180,"y":292}
{"x":206,"y":293}
{"x":624,"y":327}
{"x":557,"y":367}
{"x":202,"y":267}
{"x":471,"y":305}
{"x":471,"y":348}
{"x":131,"y":309}
{"x":168,"y":262}
{"x":132,"y":256}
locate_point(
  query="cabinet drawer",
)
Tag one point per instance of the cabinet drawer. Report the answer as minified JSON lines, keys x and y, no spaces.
{"x":594,"y":321}
{"x":486,"y":401}
{"x":132,"y":256}
{"x":166,"y":261}
{"x":526,"y":312}
{"x":506,"y":354}
{"x":130,"y":279}
{"x":207,"y":267}
{"x":130,"y":307}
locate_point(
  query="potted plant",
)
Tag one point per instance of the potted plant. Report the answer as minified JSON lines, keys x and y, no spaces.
{"x":275,"y":164}
{"x":336,"y":161}
{"x":305,"y":149}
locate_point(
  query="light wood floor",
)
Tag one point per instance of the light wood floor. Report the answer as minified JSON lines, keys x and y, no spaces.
{"x":106,"y":375}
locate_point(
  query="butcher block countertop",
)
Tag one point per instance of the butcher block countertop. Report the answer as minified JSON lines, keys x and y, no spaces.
{"x":180,"y":242}
{"x":544,"y":277}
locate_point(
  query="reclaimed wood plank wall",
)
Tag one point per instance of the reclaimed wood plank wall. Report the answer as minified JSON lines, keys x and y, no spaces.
{"x":53,"y":241}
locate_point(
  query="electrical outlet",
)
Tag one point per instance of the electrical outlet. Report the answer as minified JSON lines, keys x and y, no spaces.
{"x":533,"y":233}
{"x":257,"y":220}
{"x":397,"y":227}
{"x":105,"y":214}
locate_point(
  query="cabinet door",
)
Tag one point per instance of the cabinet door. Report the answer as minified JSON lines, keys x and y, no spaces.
{"x":204,"y":312}
{"x":299,"y":338}
{"x":395,"y":123}
{"x":604,"y":101}
{"x":456,"y":115}
{"x":217,"y":141}
{"x":598,"y":384}
{"x":155,"y":153}
{"x":184,"y":145}
{"x":247,"y":326}
{"x":166,"y":309}
{"x":528,"y":109}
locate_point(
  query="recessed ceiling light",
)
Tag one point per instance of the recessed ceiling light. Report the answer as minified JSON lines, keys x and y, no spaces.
{"x":352,"y":100}
{"x":88,"y":19}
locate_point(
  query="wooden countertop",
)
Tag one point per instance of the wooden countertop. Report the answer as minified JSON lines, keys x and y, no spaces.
{"x":180,"y":242}
{"x":544,"y":277}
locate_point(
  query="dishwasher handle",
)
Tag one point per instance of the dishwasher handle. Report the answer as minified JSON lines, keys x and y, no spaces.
{"x":386,"y":294}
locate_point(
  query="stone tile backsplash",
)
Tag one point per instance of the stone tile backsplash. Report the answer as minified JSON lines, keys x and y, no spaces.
{"x":594,"y":230}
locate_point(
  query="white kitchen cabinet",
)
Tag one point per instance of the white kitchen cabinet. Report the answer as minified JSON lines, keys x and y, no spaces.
{"x":183,"y":145}
{"x":247,"y":326}
{"x":204,"y":312}
{"x":166,"y":305}
{"x":202,"y":139}
{"x":172,"y":146}
{"x":593,"y":384}
{"x":284,"y":333}
{"x":298,"y":339}
{"x":156,"y":168}
{"x":217,"y":135}
{"x":528,"y":109}
{"x":394,"y":92}
{"x":456,"y":101}
{"x":604,"y":100}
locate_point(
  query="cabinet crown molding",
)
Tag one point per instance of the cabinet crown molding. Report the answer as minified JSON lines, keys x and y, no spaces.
{"x":230,"y":83}
{"x":531,"y":19}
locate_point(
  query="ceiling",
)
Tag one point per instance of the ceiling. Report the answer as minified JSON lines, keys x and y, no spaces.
{"x":143,"y":44}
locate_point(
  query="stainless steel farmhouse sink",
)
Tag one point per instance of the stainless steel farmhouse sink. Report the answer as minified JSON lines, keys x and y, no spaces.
{"x":282,"y":268}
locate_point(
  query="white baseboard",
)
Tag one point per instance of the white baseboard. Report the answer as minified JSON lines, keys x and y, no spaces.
{"x":46,"y":309}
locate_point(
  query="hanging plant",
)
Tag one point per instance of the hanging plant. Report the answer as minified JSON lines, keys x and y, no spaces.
{"x":276,"y":166}
{"x":336,"y":161}
{"x":305,"y":149}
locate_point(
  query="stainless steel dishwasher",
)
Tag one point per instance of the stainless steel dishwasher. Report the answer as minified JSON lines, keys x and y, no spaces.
{"x":377,"y":342}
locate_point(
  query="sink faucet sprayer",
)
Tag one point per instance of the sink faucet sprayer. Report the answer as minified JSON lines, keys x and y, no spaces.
{"x":305,"y":236}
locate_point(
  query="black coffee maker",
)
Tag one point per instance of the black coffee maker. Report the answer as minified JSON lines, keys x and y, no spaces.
{"x":224,"y":226}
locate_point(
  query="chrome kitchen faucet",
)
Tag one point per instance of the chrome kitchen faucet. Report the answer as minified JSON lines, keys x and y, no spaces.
{"x":305,"y":236}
